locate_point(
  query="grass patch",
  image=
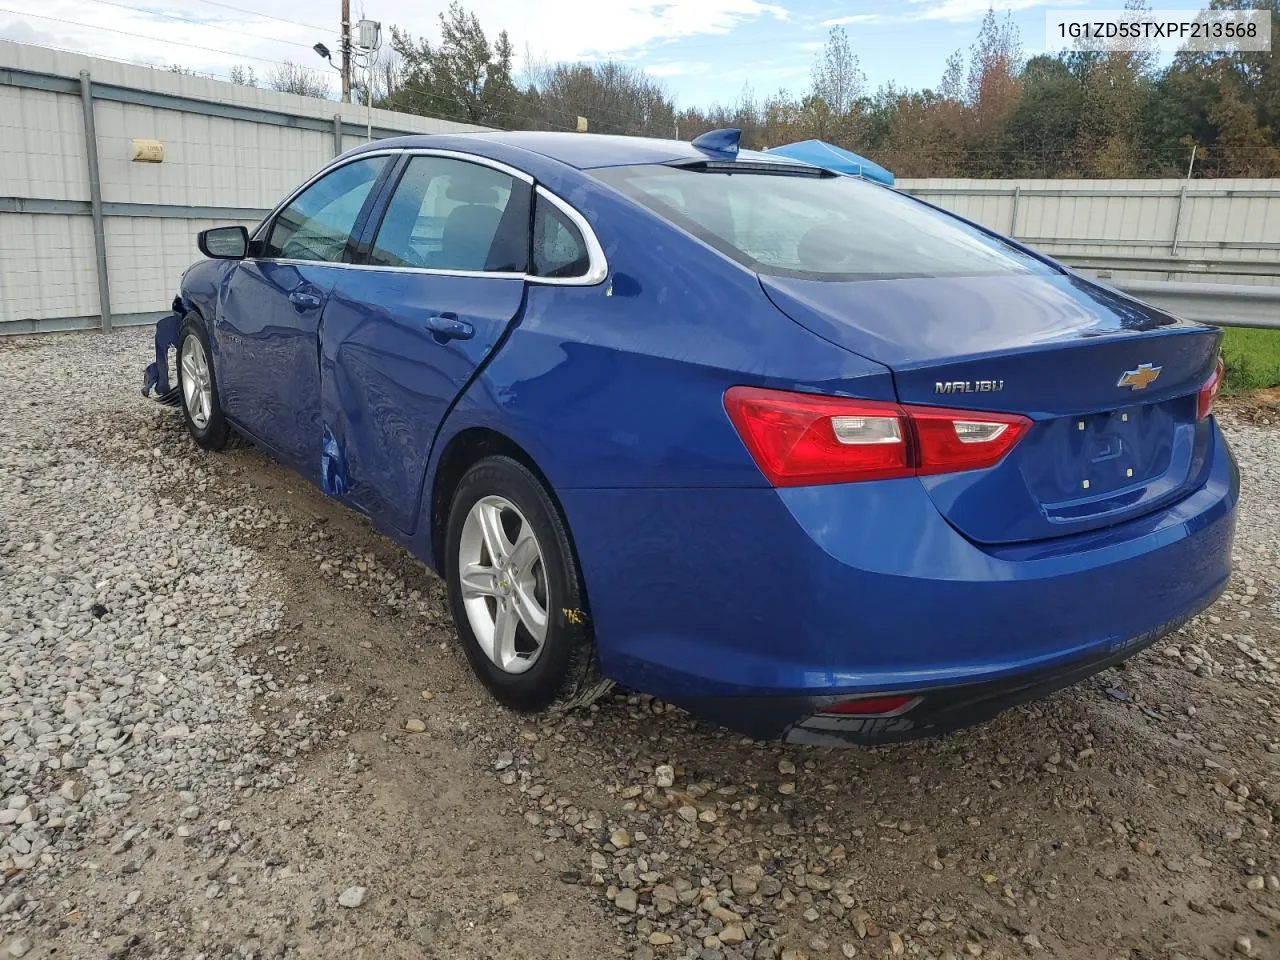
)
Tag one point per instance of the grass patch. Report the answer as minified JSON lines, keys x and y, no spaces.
{"x":1252,"y":358}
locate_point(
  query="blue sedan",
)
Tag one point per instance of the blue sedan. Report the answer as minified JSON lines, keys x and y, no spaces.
{"x":805,"y":455}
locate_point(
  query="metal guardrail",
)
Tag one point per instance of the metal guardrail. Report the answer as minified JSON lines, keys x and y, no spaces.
{"x":1222,"y":304}
{"x":1209,"y":267}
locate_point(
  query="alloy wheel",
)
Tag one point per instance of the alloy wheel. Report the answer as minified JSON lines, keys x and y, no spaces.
{"x":504,"y":584}
{"x":197,"y":384}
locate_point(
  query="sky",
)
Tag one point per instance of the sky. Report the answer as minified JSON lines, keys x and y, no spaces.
{"x":704,"y":51}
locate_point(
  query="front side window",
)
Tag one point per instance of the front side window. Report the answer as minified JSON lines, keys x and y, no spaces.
{"x":449,"y":214}
{"x":817,"y":227}
{"x":558,"y":248}
{"x":319,"y":221}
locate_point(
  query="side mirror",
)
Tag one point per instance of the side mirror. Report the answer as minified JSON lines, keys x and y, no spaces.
{"x":224,"y":243}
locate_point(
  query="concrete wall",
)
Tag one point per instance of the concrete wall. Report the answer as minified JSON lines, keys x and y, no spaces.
{"x":1224,"y":229}
{"x":230,"y":154}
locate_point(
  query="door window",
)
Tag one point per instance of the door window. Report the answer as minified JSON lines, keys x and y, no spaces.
{"x":449,"y":214}
{"x":319,"y":221}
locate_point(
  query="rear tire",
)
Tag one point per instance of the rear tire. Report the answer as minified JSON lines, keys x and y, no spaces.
{"x":515,"y":590}
{"x":198,"y":387}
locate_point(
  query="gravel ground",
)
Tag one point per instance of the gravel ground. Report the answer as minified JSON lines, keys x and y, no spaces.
{"x":235,"y":723}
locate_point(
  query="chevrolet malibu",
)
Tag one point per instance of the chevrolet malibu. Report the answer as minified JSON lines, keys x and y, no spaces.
{"x":812,"y":458}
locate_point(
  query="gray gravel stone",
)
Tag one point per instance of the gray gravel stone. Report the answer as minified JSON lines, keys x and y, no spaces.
{"x":123,"y":607}
{"x":352,"y":897}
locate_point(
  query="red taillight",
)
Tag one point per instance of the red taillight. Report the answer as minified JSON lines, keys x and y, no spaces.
{"x":1204,"y":399}
{"x":873,"y":706}
{"x":799,"y":439}
{"x":952,"y":440}
{"x":793,"y":436}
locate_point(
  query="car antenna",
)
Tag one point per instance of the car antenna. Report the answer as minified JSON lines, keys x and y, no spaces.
{"x":721,"y":143}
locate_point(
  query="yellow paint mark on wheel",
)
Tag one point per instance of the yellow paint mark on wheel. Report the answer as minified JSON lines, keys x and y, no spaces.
{"x":573,"y":615}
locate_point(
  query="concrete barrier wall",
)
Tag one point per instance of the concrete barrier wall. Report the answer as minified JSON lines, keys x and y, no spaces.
{"x":230,"y":154}
{"x":1153,"y":229}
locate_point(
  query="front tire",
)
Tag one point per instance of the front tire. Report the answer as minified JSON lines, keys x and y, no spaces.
{"x":199,"y":387}
{"x":515,"y":590}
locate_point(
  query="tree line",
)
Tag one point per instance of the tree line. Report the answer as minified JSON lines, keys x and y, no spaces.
{"x":993,"y":113}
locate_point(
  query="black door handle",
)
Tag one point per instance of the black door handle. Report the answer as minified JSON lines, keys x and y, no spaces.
{"x":446,"y":326}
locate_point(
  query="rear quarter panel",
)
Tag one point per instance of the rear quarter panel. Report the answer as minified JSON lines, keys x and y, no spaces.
{"x":621,"y":384}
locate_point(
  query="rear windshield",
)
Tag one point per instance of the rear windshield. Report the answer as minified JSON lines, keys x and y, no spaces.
{"x":817,"y":228}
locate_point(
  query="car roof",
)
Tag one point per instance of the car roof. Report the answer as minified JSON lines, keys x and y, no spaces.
{"x":584,"y":151}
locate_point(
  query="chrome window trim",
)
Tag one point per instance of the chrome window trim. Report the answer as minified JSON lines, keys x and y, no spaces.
{"x":597,"y":264}
{"x":430,"y":271}
{"x":469,"y":158}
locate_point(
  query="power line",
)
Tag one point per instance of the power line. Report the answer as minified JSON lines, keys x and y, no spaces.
{"x":141,"y":36}
{"x":445,"y":98}
{"x":601,"y":112}
{"x":201,"y":23}
{"x":225,"y":77}
{"x":267,"y":16}
{"x":633,"y":123}
{"x":636,"y":124}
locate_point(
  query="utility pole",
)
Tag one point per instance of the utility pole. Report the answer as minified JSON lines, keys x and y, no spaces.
{"x":346,"y":51}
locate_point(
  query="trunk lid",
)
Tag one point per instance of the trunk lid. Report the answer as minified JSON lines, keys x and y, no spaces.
{"x":1054,"y":348}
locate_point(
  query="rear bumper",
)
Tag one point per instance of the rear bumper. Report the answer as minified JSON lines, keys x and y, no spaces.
{"x":749,"y":605}
{"x":940,"y":709}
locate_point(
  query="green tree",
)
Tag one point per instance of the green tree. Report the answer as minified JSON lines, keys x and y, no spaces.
{"x":995,"y":60}
{"x":500,"y":97}
{"x":836,"y":88}
{"x":1040,"y":138}
{"x":1083,"y":113}
{"x":952,"y":86}
{"x":462,"y":78}
{"x":460,"y":66}
{"x":614,"y":97}
{"x":242,"y":75}
{"x":290,"y":77}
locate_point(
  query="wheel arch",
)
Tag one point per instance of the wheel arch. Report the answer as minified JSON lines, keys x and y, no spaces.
{"x":463,"y":450}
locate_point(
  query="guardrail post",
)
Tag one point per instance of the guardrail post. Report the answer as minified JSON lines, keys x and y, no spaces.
{"x":95,"y":200}
{"x":1177,"y":219}
{"x":1013,"y":217}
{"x":337,"y":134}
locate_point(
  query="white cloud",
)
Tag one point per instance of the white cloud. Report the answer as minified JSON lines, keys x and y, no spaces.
{"x":965,"y":10}
{"x":570,"y":29}
{"x":551,"y":29}
{"x":188,"y":35}
{"x":853,"y":18}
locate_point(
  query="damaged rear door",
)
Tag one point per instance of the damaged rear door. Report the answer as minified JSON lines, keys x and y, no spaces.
{"x":404,"y":333}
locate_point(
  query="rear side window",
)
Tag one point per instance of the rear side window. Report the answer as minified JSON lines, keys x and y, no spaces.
{"x":449,"y":214}
{"x":819,"y":228}
{"x":558,"y":248}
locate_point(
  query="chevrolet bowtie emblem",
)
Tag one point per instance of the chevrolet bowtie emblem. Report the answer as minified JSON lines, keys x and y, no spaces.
{"x":1139,"y":378}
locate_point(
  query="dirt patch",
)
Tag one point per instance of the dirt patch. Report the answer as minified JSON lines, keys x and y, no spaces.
{"x":1260,"y":407}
